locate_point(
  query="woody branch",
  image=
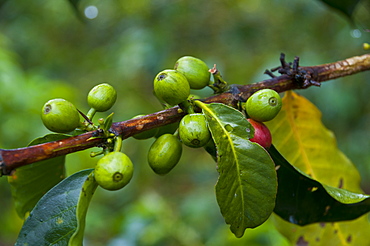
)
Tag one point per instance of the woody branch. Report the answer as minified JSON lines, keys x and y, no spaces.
{"x":292,"y":77}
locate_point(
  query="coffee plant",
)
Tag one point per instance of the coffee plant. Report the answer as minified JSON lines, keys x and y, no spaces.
{"x":248,"y":130}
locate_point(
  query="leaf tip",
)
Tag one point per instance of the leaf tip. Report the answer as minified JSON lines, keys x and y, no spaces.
{"x":237,"y":231}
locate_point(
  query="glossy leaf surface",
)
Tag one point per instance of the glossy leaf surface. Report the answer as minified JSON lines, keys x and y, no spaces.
{"x":246,"y":187}
{"x":54,"y":219}
{"x":302,"y":200}
{"x":87,"y":191}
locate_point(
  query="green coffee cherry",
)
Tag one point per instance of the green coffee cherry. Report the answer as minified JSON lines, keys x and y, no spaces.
{"x":164,"y":154}
{"x":59,"y":115}
{"x":102,"y":97}
{"x":263,"y":105}
{"x":146,"y":134}
{"x":171,"y":86}
{"x":195,"y":71}
{"x":114,"y":171}
{"x":193,"y":130}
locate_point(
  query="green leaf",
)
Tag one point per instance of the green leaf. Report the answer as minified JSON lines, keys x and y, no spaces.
{"x":302,"y":200}
{"x":29,"y":183}
{"x":59,"y":213}
{"x":87,"y":191}
{"x":247,"y":186}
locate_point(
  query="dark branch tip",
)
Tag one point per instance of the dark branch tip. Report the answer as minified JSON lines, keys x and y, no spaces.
{"x":302,"y":77}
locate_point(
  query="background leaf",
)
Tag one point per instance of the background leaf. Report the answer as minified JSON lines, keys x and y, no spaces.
{"x":302,"y":200}
{"x":53,"y":220}
{"x":303,"y":140}
{"x":300,"y":136}
{"x":246,"y":187}
{"x":29,"y":183}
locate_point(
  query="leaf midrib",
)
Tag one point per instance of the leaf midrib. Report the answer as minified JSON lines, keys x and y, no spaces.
{"x":298,"y":139}
{"x":233,"y":150}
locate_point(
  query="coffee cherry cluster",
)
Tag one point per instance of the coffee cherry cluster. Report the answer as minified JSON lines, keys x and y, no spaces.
{"x":61,"y":116}
{"x":173,"y":85}
{"x":115,"y":169}
{"x":262,"y":106}
{"x":166,"y":150}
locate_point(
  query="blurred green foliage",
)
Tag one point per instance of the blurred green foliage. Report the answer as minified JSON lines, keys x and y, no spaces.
{"x":49,"y":51}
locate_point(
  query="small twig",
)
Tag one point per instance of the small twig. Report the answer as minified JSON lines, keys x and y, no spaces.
{"x":269,"y":73}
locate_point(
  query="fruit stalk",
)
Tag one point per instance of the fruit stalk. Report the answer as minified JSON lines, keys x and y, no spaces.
{"x":14,"y":158}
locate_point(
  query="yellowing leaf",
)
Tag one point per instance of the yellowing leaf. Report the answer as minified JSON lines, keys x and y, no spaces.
{"x":353,"y":232}
{"x":303,"y":140}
